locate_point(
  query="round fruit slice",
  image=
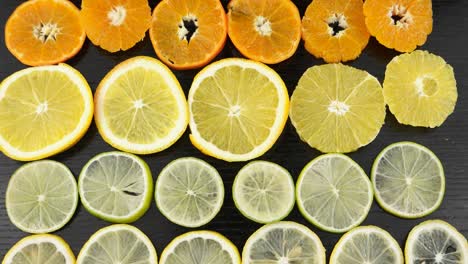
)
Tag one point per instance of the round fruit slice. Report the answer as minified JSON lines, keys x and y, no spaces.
{"x":140,"y":107}
{"x":334,"y":193}
{"x":41,"y":197}
{"x":335,"y":30}
{"x":420,"y":89}
{"x":337,"y":108}
{"x":123,"y":244}
{"x":283,"y":242}
{"x":238,"y":109}
{"x":436,"y":241}
{"x":42,"y":32}
{"x":189,"y":192}
{"x":408,"y":180}
{"x":53,"y":108}
{"x":367,"y":244}
{"x":264,"y":30}
{"x":115,"y":25}
{"x":263,"y":192}
{"x":44,"y":248}
{"x":200,"y":247}
{"x":400,"y":25}
{"x":188,"y":34}
{"x":116,"y":187}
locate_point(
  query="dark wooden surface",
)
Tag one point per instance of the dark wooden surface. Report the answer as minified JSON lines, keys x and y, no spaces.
{"x":449,"y":40}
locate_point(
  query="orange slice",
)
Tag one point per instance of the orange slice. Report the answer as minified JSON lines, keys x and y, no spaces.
{"x":335,"y":30}
{"x":264,"y":30}
{"x":188,"y":34}
{"x":41,"y":32}
{"x":399,"y":24}
{"x":115,"y":24}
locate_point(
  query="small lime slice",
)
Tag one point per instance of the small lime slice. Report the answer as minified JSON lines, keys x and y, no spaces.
{"x":408,"y":180}
{"x":283,"y":242}
{"x":116,"y":187}
{"x":44,"y":248}
{"x":198,"y":247}
{"x":436,"y":241}
{"x":334,"y":193}
{"x":263,"y":192}
{"x":122,"y":244}
{"x":189,"y":192}
{"x":369,"y":245}
{"x":41,"y":197}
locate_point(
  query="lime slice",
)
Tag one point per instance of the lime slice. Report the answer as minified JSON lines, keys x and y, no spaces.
{"x":116,"y":187}
{"x":122,"y":244}
{"x":334,"y":193}
{"x":367,"y":244}
{"x":45,"y":248}
{"x":189,"y":192}
{"x":263,"y":192}
{"x":408,"y":180}
{"x":337,"y":108}
{"x":198,"y":247}
{"x":283,"y":242}
{"x":140,"y":106}
{"x":436,"y":241}
{"x":41,"y":197}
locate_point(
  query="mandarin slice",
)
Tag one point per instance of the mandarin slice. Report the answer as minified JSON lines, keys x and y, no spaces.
{"x":42,"y":32}
{"x":335,"y":30}
{"x":264,"y":30}
{"x":399,"y":24}
{"x":115,"y":24}
{"x":188,"y":34}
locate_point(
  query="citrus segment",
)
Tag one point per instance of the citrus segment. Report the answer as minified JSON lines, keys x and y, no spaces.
{"x":41,"y":197}
{"x":115,"y":24}
{"x":420,"y":89}
{"x":200,"y":247}
{"x":266,"y":30}
{"x":53,"y":108}
{"x":188,"y":34}
{"x":337,"y":108}
{"x":399,"y":25}
{"x":238,"y":109}
{"x":140,"y":106}
{"x":189,"y":192}
{"x":263,"y":192}
{"x":334,"y":193}
{"x":41,"y":32}
{"x":116,"y":187}
{"x":408,"y":180}
{"x":335,"y":30}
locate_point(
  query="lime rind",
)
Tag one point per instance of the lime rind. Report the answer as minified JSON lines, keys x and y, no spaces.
{"x":248,"y":215}
{"x":137,"y":212}
{"x":312,"y":219}
{"x":389,"y":209}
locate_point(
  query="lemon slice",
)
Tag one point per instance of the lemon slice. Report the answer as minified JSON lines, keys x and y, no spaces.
{"x":43,"y":111}
{"x":238,"y":109}
{"x":337,"y":108}
{"x":198,"y":247}
{"x":420,"y":89}
{"x":408,"y":180}
{"x":263,"y":192}
{"x":123,"y":244}
{"x":367,"y":244}
{"x":334,"y":193}
{"x":140,"y":107}
{"x":44,"y":248}
{"x":41,"y":197}
{"x":436,"y":241}
{"x":283,"y":242}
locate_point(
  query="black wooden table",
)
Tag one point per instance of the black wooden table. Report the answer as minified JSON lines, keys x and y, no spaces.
{"x":449,"y":40}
